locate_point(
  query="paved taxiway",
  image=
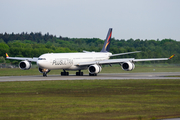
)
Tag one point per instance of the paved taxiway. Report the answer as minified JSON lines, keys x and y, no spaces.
{"x":101,"y":76}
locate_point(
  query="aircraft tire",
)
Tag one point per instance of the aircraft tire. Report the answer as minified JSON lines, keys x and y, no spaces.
{"x":92,"y":74}
{"x":44,"y":74}
{"x":64,"y":73}
{"x":79,"y":73}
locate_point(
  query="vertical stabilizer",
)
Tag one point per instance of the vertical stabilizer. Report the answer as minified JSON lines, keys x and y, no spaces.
{"x":106,"y":46}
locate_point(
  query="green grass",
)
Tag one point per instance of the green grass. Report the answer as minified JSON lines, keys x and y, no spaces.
{"x":114,"y":69}
{"x":90,"y":99}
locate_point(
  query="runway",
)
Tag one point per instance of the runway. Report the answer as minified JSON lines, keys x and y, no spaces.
{"x":101,"y":76}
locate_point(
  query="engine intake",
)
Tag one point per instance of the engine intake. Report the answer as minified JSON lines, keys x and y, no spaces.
{"x":128,"y":66}
{"x":44,"y":70}
{"x":94,"y":69}
{"x":25,"y":65}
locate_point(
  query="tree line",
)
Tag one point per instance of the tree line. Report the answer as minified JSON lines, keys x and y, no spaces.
{"x":35,"y":44}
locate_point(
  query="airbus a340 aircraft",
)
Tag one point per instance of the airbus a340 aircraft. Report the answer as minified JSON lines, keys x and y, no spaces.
{"x":80,"y":61}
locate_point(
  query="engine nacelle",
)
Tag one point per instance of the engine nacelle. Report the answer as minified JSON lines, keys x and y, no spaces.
{"x":44,"y":70}
{"x":128,"y":66}
{"x":94,"y":69}
{"x":25,"y":65}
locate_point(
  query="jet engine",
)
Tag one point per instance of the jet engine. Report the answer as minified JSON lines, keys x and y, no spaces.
{"x":44,"y":70}
{"x":25,"y":65}
{"x":128,"y":66}
{"x":94,"y":69}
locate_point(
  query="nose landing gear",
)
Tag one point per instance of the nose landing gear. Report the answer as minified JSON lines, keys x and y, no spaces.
{"x":44,"y":74}
{"x":44,"y":71}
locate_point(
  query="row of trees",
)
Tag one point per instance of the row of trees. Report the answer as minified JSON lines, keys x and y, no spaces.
{"x":35,"y":44}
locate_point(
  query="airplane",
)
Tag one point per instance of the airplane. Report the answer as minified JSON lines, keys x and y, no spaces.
{"x":92,"y":61}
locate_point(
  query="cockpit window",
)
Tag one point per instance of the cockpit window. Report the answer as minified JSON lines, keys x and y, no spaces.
{"x":41,"y":58}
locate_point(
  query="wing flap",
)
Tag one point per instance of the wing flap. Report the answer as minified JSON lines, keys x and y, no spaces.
{"x":124,"y":53}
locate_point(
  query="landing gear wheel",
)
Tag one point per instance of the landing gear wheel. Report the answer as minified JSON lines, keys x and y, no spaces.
{"x":44,"y":74}
{"x":64,"y":73}
{"x":79,"y":73}
{"x":92,"y":74}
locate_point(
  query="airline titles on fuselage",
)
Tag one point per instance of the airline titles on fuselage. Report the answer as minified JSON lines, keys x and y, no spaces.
{"x":62,"y":61}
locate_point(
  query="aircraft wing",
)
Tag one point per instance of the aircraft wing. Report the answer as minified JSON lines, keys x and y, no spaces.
{"x":34,"y":59}
{"x":155,"y":59}
{"x":119,"y":61}
{"x":103,"y":62}
{"x":124,"y":53}
{"x":21,"y":58}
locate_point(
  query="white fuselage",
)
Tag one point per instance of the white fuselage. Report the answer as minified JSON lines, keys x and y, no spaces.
{"x":69,"y":61}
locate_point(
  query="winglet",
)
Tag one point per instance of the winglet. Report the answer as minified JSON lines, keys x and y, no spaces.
{"x":7,"y":55}
{"x":172,"y":56}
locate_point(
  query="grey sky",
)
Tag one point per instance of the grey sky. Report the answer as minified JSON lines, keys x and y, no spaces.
{"x":137,"y":19}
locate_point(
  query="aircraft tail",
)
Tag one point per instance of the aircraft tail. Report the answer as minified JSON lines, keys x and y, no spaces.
{"x":106,"y":46}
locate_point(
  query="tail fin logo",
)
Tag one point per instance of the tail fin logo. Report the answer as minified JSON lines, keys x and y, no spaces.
{"x":108,"y":40}
{"x":106,"y":45}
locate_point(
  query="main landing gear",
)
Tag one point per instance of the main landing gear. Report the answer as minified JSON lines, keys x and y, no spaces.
{"x":92,"y":74}
{"x":79,"y":73}
{"x":64,"y":73}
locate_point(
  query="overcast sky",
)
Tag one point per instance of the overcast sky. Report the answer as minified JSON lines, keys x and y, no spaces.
{"x":137,"y":19}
